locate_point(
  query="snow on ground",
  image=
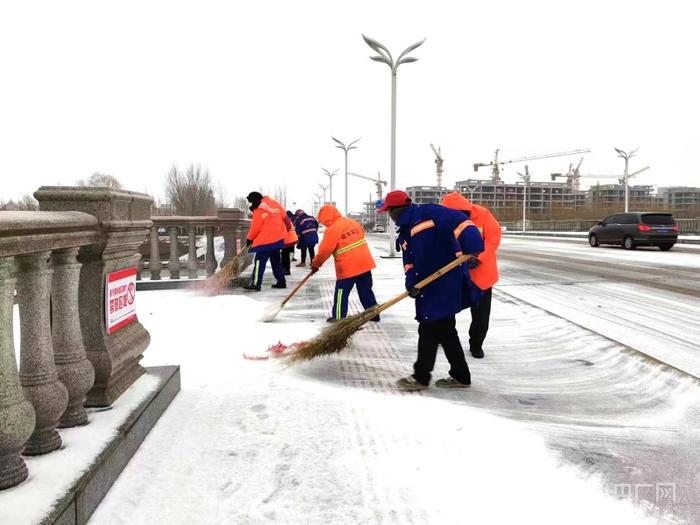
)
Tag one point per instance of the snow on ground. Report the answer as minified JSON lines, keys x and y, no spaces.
{"x":334,"y":441}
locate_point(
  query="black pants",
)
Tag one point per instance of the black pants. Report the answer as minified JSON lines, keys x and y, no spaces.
{"x":287,"y":252}
{"x":312,"y":254}
{"x":480,"y":321}
{"x":431,"y":334}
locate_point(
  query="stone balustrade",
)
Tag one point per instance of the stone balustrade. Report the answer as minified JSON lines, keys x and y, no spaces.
{"x":54,"y":264}
{"x":229,"y":223}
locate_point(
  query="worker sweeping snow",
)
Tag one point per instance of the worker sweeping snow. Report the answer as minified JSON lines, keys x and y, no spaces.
{"x":344,"y":239}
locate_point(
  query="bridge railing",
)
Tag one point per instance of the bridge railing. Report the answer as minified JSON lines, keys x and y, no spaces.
{"x":230,"y":223}
{"x":54,"y":264}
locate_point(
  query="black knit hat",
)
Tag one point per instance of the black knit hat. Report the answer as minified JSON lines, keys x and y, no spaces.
{"x":254,"y":197}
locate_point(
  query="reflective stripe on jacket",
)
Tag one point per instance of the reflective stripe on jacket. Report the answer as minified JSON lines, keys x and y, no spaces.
{"x":344,"y":239}
{"x":269,"y":224}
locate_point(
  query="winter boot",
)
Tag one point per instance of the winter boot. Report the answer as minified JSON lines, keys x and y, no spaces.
{"x":332,"y":320}
{"x":375,"y":319}
{"x":410,"y":384}
{"x":279,"y":285}
{"x":451,"y":382}
{"x":287,"y":272}
{"x":251,"y":287}
{"x":300,"y":265}
{"x":478,"y":353}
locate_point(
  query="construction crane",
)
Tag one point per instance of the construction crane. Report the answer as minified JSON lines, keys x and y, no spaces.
{"x":378,"y":182}
{"x":495,"y":163}
{"x":619,"y":177}
{"x":438,"y":165}
{"x":572,"y":176}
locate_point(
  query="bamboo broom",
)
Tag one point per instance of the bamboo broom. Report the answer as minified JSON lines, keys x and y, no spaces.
{"x":216,"y":283}
{"x":335,"y":337}
{"x":272,"y":312}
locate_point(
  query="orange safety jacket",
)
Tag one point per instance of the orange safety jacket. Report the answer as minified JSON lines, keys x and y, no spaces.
{"x":291,"y":238}
{"x":486,"y":274}
{"x":269,"y":224}
{"x":344,"y":239}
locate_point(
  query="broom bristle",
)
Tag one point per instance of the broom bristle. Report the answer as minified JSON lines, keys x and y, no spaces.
{"x":331,"y":340}
{"x":229,"y":274}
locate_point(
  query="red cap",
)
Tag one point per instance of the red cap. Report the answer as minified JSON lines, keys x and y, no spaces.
{"x":395,"y":199}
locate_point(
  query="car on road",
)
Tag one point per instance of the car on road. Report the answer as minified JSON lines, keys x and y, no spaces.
{"x":378,"y":229}
{"x":630,"y":230}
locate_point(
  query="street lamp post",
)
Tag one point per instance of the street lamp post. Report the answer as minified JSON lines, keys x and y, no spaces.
{"x":346,"y":149}
{"x":627,"y":156}
{"x":330,"y":182}
{"x":324,"y":188}
{"x":526,"y":183}
{"x":383,"y":55}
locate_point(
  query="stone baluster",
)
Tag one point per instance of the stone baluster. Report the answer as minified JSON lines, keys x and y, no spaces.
{"x":38,"y":374}
{"x":74,"y":370}
{"x":192,"y":265}
{"x":155,"y":264}
{"x":16,"y":413}
{"x":210,"y":264}
{"x":174,"y":261}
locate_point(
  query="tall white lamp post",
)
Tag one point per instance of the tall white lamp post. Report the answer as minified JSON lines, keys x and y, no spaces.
{"x":346,"y":149}
{"x":627,"y":156}
{"x":383,"y":55}
{"x":330,"y":182}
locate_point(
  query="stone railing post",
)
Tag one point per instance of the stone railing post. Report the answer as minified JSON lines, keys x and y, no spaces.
{"x":16,"y":413}
{"x":210,"y":264}
{"x":174,"y":261}
{"x":229,"y":228}
{"x":192,"y":265}
{"x":74,"y":370}
{"x":123,"y":219}
{"x":38,"y":374}
{"x":155,"y":265}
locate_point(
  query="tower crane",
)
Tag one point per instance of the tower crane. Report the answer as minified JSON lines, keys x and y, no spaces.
{"x":495,"y":163}
{"x":619,"y":177}
{"x":438,"y":165}
{"x":378,"y":182}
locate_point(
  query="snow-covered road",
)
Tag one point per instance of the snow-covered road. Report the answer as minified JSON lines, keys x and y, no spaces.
{"x":560,"y":417}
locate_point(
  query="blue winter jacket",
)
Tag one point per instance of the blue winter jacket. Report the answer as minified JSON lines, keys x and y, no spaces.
{"x":431,"y":236}
{"x":307,"y":230}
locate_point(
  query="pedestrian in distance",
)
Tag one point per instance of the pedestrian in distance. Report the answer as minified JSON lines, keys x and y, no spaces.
{"x":266,"y":237}
{"x":289,"y":242}
{"x":307,"y":230}
{"x":484,"y":270}
{"x":344,"y":239}
{"x":431,"y":236}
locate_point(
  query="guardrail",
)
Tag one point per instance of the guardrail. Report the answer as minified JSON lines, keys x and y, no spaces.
{"x":54,"y":263}
{"x":583,"y":225}
{"x":230,"y":223}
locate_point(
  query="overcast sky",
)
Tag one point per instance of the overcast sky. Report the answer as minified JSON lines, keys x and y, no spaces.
{"x":254,"y":90}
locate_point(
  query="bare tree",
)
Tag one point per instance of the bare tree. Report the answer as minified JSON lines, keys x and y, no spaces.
{"x":190,"y":192}
{"x":28,"y":203}
{"x":221,"y":195}
{"x":241,"y":203}
{"x":102,"y":180}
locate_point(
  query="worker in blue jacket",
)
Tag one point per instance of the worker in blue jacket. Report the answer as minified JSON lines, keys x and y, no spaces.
{"x":307,"y":231}
{"x":431,"y":236}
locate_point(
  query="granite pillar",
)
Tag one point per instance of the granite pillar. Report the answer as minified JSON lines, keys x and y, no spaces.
{"x":123,"y":223}
{"x":154,"y":263}
{"x":210,"y":264}
{"x":192,"y":265}
{"x":174,"y":261}
{"x":16,"y":413}
{"x":74,"y":369}
{"x":38,"y":374}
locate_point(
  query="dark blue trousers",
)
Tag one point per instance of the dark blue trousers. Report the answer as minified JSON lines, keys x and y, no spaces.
{"x":260,"y":262}
{"x":343,"y":287}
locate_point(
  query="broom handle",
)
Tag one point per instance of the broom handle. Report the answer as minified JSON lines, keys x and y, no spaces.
{"x":296,"y":289}
{"x":425,"y":282}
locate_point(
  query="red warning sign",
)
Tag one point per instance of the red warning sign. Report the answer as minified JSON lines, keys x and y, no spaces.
{"x":120,"y":299}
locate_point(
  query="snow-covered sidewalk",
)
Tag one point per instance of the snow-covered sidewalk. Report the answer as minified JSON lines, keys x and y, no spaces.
{"x":553,"y":413}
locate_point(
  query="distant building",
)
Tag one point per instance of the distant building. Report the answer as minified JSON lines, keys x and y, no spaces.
{"x":680,"y":197}
{"x":427,"y":194}
{"x":541,"y":196}
{"x":613,"y":194}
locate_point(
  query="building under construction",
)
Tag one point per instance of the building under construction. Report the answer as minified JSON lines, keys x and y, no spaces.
{"x":680,"y":197}
{"x":427,"y":194}
{"x":607,"y":195}
{"x":541,"y":196}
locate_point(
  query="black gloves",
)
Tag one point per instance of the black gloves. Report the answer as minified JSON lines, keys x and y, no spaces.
{"x":473,"y":262}
{"x":248,"y":243}
{"x":313,"y":270}
{"x":413,"y":292}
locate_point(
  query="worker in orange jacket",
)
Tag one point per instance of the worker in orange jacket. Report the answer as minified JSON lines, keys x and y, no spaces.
{"x":266,"y":237}
{"x":484,"y":270}
{"x":290,"y":241}
{"x":344,"y":239}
